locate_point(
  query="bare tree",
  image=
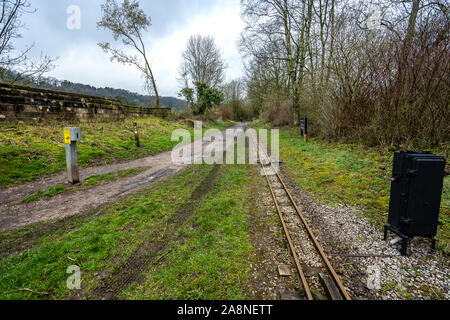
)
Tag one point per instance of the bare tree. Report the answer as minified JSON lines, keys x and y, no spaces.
{"x":15,"y":67}
{"x":233,"y":90}
{"x":127,"y":23}
{"x":383,"y":82}
{"x":234,"y":94}
{"x":203,"y":62}
{"x":284,"y":25}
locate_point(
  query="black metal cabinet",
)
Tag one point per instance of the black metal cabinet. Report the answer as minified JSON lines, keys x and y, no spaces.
{"x":416,"y":190}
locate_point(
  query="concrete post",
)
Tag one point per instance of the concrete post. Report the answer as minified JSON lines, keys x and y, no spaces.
{"x":71,"y":136}
{"x":72,"y":163}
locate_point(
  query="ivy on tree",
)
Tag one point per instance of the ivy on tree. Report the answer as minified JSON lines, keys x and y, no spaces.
{"x":206,"y":97}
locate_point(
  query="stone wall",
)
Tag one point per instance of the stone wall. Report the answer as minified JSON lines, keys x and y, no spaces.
{"x":19,"y":103}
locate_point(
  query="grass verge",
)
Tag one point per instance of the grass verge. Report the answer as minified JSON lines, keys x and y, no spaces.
{"x":28,"y":151}
{"x":90,"y":182}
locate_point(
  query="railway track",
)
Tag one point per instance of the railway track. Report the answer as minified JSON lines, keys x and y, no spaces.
{"x":305,"y":249}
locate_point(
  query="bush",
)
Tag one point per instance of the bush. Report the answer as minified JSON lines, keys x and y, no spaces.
{"x":279,"y":111}
{"x":225,"y":114}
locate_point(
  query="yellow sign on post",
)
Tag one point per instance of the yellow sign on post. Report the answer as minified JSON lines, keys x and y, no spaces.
{"x":67,"y":136}
{"x":71,"y":136}
{"x":67,"y":139}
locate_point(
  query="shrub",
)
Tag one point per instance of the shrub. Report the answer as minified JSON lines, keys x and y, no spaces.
{"x":225,"y":114}
{"x":279,"y":111}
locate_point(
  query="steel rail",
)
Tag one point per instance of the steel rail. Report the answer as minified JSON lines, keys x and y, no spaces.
{"x":288,"y":237}
{"x":305,"y":223}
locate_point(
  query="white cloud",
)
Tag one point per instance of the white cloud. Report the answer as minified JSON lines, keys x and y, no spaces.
{"x":86,"y":63}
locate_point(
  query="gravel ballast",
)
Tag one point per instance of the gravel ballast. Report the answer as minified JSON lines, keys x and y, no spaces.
{"x":368,"y":266}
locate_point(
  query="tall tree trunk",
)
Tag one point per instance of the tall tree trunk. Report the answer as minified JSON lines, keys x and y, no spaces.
{"x":290,"y":57}
{"x":153,"y":83}
{"x":405,"y":52}
{"x":411,"y":29}
{"x":332,"y":31}
{"x":154,"y":87}
{"x":305,"y":44}
{"x":150,"y":71}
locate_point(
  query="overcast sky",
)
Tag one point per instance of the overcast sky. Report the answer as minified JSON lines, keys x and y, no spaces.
{"x":173,"y":22}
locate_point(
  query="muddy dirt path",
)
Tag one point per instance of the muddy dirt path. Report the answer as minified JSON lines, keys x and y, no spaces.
{"x":14,"y":216}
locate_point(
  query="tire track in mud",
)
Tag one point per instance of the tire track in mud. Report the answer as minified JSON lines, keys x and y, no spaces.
{"x":152,"y":250}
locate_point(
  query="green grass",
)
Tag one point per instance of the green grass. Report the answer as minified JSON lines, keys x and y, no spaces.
{"x":90,"y":182}
{"x":111,"y":177}
{"x":349,"y":174}
{"x":95,"y":242}
{"x":209,"y":263}
{"x":53,"y":191}
{"x":28,"y":151}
